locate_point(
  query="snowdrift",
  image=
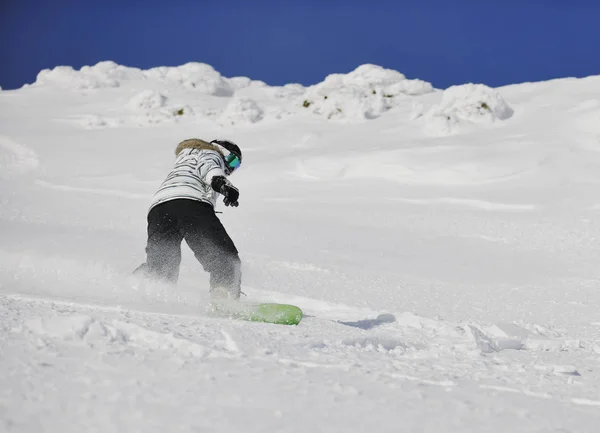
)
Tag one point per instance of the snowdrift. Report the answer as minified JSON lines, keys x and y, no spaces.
{"x":463,"y":106}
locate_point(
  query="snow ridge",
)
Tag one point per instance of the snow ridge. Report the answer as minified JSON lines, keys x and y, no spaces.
{"x":365,"y":93}
{"x":362,"y":94}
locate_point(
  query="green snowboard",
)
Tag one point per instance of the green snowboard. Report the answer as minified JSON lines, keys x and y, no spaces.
{"x":280,"y":314}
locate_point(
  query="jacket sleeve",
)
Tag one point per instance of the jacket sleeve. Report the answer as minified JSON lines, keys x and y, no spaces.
{"x":211,"y":165}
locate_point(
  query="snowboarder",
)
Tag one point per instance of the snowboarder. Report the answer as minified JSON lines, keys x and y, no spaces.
{"x":183,"y":208}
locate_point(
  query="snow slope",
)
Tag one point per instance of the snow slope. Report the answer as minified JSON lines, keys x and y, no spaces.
{"x":444,"y":246}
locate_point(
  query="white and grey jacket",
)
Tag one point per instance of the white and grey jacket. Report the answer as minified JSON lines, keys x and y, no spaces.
{"x":197,"y":163}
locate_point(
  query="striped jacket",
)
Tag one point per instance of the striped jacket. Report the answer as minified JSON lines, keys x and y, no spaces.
{"x":196,"y":164}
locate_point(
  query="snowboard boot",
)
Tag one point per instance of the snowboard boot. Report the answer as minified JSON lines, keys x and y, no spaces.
{"x":141,"y":270}
{"x":221,"y":293}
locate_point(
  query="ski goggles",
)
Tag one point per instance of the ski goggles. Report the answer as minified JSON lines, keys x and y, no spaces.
{"x":232,"y":162}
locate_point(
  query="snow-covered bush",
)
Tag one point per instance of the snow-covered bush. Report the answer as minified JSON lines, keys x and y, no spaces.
{"x":67,"y":77}
{"x":464,"y":105}
{"x":103,"y":74}
{"x":151,"y":107}
{"x":198,"y":76}
{"x":346,"y":103}
{"x":147,"y":100}
{"x":193,"y":75}
{"x":185,"y":110}
{"x":237,"y":83}
{"x":113,"y":71}
{"x":288,"y":92}
{"x":241,"y":111}
{"x":364,"y":93}
{"x":157,"y":117}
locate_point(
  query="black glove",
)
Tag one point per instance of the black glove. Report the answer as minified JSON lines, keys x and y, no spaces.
{"x":224,"y":187}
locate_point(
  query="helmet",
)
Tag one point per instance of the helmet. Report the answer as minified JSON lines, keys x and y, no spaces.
{"x":234,"y":159}
{"x":230,"y":146}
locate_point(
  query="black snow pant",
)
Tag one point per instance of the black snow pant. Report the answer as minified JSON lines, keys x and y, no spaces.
{"x":175,"y":220}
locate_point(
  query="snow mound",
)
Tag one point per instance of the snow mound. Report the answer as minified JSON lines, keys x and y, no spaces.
{"x":198,"y":76}
{"x":237,"y":83}
{"x":164,"y":115}
{"x":152,"y":107}
{"x":193,"y":75}
{"x":101,"y":75}
{"x":241,"y":111}
{"x":464,"y":105}
{"x":289,"y":92}
{"x":364,"y":93}
{"x":147,"y":100}
{"x":66,"y":76}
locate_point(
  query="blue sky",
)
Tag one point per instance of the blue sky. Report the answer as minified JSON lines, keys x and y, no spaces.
{"x":444,"y":42}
